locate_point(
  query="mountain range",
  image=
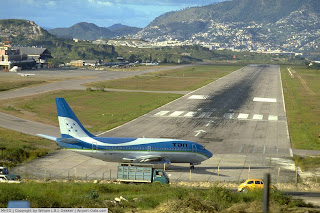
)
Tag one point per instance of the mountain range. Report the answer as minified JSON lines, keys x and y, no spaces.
{"x":250,"y":25}
{"x":242,"y":24}
{"x":90,"y":31}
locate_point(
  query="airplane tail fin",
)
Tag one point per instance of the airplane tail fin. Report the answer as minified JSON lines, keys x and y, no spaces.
{"x":70,"y":126}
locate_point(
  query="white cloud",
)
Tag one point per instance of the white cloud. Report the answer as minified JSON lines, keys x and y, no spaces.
{"x":51,"y":4}
{"x":105,"y":3}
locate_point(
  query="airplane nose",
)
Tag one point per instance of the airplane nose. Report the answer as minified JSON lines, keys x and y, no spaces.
{"x":209,"y":154}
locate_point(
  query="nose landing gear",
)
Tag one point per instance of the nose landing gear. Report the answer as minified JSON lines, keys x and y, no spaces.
{"x":191,"y":166}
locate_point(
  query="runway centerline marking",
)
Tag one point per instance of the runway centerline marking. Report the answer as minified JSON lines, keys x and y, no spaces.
{"x":269,"y":100}
{"x":199,"y":132}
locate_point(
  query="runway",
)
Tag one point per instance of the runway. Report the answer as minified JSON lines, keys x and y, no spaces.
{"x":242,"y":113}
{"x":240,"y":118}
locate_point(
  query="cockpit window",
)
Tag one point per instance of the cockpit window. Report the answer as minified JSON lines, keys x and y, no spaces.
{"x":203,"y":148}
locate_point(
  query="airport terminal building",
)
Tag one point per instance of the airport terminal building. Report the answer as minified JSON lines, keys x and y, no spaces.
{"x":23,"y":57}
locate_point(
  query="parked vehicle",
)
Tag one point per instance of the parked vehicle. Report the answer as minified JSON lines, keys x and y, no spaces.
{"x":4,"y":170}
{"x":140,"y":174}
{"x":252,"y":184}
{"x":9,"y":179}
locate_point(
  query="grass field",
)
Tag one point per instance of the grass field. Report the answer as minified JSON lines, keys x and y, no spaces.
{"x":19,"y":148}
{"x":6,"y":85}
{"x":98,"y":111}
{"x":302,"y":98}
{"x":142,"y":197}
{"x":310,"y":164}
{"x":184,"y":79}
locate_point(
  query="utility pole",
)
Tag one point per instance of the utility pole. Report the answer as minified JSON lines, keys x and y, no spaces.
{"x":266,"y":189}
{"x":2,"y":158}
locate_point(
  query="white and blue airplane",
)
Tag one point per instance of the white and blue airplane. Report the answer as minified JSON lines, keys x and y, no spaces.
{"x":128,"y":150}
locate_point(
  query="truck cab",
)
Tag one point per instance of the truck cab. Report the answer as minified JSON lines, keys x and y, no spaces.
{"x":160,"y":176}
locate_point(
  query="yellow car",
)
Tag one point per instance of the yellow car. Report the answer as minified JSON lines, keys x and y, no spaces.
{"x":252,"y":184}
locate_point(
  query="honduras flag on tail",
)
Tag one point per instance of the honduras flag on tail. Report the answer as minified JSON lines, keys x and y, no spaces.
{"x":70,"y":126}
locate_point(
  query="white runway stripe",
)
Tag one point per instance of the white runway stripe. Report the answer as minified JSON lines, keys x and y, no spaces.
{"x":199,"y":97}
{"x":190,"y":114}
{"x":257,"y":117}
{"x":176,"y":113}
{"x":228,"y":115}
{"x":273,"y":118}
{"x":205,"y":114}
{"x":161,"y":113}
{"x":270,"y":100}
{"x":243,"y":116}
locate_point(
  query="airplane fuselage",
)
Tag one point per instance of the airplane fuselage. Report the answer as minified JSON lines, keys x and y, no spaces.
{"x":118,"y":150}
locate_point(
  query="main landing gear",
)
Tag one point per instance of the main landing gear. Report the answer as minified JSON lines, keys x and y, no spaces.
{"x":191,"y":166}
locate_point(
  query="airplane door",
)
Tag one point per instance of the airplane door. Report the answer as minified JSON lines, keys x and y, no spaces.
{"x":94,"y":147}
{"x":194,"y":148}
{"x":149,"y":148}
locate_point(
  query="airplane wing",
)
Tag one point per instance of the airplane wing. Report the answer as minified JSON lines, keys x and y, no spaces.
{"x":153,"y":159}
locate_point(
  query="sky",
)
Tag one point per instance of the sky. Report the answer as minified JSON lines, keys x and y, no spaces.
{"x":104,"y":13}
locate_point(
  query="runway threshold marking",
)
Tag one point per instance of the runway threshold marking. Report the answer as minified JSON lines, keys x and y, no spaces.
{"x":228,"y":115}
{"x":243,"y":116}
{"x":257,"y":117}
{"x":161,"y":113}
{"x":268,"y":100}
{"x":208,"y":114}
{"x":176,"y":113}
{"x":273,"y":118}
{"x":199,"y":97}
{"x":205,"y":114}
{"x":190,"y":114}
